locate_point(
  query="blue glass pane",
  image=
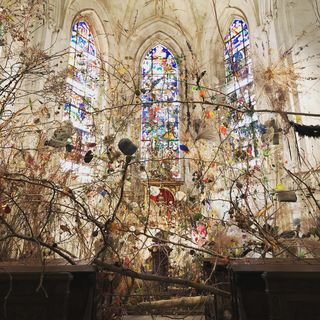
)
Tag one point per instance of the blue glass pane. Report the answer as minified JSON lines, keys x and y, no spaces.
{"x":237,"y":27}
{"x":237,"y":42}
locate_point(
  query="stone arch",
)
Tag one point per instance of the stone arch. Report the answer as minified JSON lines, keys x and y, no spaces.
{"x":228,"y":21}
{"x":103,"y":42}
{"x":158,"y":38}
{"x":98,"y":30}
{"x":163,"y":31}
{"x":247,"y":12}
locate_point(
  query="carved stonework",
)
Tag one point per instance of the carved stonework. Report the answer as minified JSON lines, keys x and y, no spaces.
{"x":159,"y":4}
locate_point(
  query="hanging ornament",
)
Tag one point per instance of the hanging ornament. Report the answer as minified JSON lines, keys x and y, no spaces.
{"x":280,"y":187}
{"x":133,"y":206}
{"x":209,"y":114}
{"x":7,"y":209}
{"x":202,"y":93}
{"x":91,"y":145}
{"x":184,"y":148}
{"x":127,"y":147}
{"x":223,"y":130}
{"x":154,"y":191}
{"x":143,"y":176}
{"x":103,"y":193}
{"x":69,"y":147}
{"x":88,"y":157}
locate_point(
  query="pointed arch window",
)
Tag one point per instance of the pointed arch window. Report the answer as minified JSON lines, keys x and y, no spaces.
{"x":240,"y":90}
{"x":83,"y":77}
{"x":160,"y":114}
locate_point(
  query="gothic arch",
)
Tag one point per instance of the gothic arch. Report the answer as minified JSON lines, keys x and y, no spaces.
{"x":98,"y":30}
{"x":164,"y":31}
{"x":248,"y":13}
{"x":95,"y":14}
{"x":158,"y":38}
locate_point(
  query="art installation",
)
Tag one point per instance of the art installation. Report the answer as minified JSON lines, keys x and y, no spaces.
{"x":159,"y":159}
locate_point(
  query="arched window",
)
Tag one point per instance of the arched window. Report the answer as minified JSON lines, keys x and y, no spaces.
{"x":240,"y":89}
{"x":83,"y":77}
{"x":160,"y":114}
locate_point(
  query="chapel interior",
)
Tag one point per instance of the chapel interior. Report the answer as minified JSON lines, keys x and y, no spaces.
{"x":167,"y":149}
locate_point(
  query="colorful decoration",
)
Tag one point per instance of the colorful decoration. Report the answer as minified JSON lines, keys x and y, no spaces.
{"x":209,"y":114}
{"x":202,"y":93}
{"x":199,"y":234}
{"x":184,"y":148}
{"x":160,"y":111}
{"x":280,"y":187}
{"x":154,"y":191}
{"x":83,"y":79}
{"x":223,"y":130}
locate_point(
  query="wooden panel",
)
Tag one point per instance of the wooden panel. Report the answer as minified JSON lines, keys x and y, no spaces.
{"x":293,"y":296}
{"x":34,"y":296}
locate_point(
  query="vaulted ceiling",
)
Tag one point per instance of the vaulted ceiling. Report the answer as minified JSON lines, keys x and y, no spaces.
{"x":131,"y":14}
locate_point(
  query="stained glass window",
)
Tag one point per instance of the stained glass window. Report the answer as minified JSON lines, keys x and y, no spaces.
{"x":160,"y":114}
{"x":83,"y":76}
{"x":237,"y":52}
{"x":240,"y":90}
